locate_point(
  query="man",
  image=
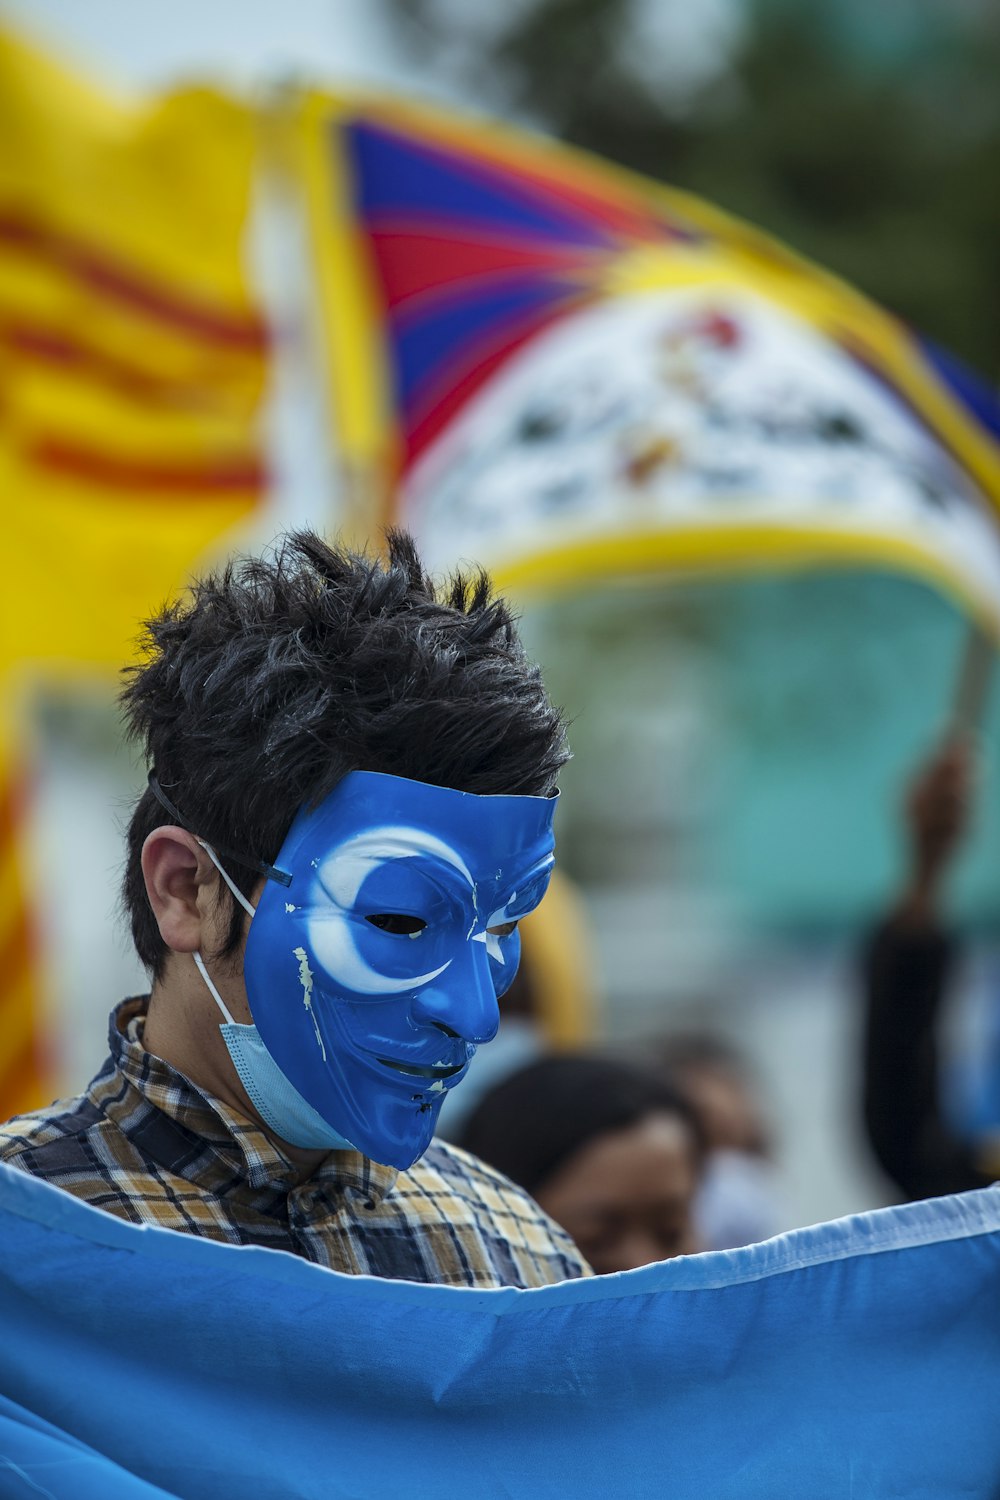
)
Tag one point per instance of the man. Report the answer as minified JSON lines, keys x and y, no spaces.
{"x":349,"y":808}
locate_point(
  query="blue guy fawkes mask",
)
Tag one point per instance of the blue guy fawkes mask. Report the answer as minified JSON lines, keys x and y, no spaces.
{"x":374,"y":974}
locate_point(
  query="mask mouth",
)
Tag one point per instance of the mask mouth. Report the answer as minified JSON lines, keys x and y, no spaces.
{"x":414,"y":1070}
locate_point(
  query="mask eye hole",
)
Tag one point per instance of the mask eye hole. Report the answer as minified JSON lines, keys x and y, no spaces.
{"x":397,"y":923}
{"x":504,"y":929}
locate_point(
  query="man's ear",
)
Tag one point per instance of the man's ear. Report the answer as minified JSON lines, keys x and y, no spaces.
{"x":178,"y":872}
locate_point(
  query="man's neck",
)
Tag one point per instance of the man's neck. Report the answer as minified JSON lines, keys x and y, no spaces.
{"x":183,"y":1028}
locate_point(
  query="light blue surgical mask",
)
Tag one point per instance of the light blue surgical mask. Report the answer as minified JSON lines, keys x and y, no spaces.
{"x":376,"y":956}
{"x":278,"y":1102}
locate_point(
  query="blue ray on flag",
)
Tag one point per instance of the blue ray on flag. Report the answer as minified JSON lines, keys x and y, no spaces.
{"x":976,"y":394}
{"x":401,"y":178}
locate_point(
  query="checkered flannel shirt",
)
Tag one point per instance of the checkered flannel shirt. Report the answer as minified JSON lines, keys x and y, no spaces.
{"x":146,"y":1145}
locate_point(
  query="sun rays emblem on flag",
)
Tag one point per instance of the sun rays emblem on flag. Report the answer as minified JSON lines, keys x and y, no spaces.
{"x":472,"y":259}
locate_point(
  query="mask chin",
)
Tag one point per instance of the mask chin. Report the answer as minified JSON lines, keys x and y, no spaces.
{"x":401,"y":1149}
{"x":390,"y":1116}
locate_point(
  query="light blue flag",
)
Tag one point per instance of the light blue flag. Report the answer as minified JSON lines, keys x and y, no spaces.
{"x":856,"y":1359}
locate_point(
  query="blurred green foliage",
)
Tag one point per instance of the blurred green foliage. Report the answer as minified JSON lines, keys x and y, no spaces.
{"x":867,"y":136}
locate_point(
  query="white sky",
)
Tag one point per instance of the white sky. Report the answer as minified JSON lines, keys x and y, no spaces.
{"x":140,"y":46}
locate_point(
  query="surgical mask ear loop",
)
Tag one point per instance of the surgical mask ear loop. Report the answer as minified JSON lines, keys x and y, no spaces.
{"x":246,"y":907}
{"x":252,"y":910}
{"x":211,"y":988}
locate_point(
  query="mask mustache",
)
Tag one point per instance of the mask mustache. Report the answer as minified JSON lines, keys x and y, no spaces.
{"x":424,"y":1070}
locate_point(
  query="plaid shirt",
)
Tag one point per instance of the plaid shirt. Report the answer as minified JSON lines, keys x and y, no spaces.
{"x":145,"y":1144}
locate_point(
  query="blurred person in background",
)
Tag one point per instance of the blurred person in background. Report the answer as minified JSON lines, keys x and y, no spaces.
{"x":608,"y":1150}
{"x":740,"y":1200}
{"x":907,"y":973}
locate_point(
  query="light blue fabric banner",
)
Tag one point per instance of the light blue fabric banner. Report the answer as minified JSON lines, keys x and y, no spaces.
{"x":856,"y":1359}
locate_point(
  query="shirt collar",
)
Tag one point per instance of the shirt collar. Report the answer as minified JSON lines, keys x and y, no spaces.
{"x":241,"y":1144}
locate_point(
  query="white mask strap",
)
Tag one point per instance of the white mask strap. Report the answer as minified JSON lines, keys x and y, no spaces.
{"x":212,"y":990}
{"x":231,"y":884}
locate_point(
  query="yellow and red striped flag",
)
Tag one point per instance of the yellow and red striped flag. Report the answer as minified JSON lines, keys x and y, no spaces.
{"x":133,"y":359}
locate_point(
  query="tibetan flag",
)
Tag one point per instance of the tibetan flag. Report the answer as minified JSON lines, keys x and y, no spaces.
{"x":575,"y":373}
{"x":858,"y":1358}
{"x":133,"y":358}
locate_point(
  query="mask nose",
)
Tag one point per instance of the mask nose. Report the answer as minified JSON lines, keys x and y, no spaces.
{"x":462,"y":1002}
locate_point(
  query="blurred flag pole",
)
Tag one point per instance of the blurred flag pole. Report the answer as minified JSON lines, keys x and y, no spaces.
{"x":975,"y":675}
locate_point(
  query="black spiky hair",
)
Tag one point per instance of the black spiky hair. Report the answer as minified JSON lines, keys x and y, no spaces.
{"x":272,"y":679}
